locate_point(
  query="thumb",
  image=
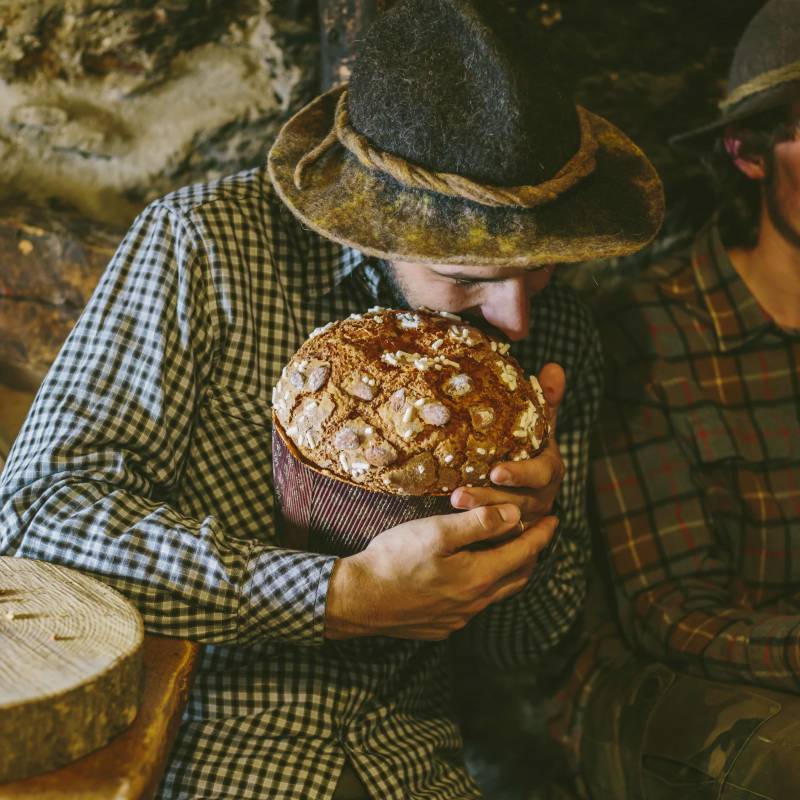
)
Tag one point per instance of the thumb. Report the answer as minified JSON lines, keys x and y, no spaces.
{"x":553,"y":382}
{"x":486,"y":522}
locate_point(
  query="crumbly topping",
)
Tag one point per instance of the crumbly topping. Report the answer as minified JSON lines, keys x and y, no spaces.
{"x":462,"y":334}
{"x":346,"y":439}
{"x":481,"y":416}
{"x":528,"y":424}
{"x":317,"y":377}
{"x":409,"y":321}
{"x":435,"y":413}
{"x":419,"y":361}
{"x":537,"y":389}
{"x":507,"y":374}
{"x":458,"y":385}
{"x":360,"y":386}
{"x":445,"y":314}
{"x":317,"y":331}
{"x":409,"y":402}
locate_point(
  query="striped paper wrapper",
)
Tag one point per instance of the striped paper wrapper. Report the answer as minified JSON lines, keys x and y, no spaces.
{"x":324,"y":514}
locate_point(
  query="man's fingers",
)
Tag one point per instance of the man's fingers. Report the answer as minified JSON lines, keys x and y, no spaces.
{"x":510,"y":585}
{"x":457,"y":531}
{"x":528,"y":503}
{"x":553,"y":382}
{"x":533,"y":473}
{"x":512,"y":582}
{"x":517,"y":553}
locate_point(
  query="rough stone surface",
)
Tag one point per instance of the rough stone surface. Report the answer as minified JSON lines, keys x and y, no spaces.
{"x":49,"y":265}
{"x":104,"y":106}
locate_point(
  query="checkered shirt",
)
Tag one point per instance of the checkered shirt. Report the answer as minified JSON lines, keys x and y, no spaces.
{"x":145,"y":461}
{"x":697,"y":475}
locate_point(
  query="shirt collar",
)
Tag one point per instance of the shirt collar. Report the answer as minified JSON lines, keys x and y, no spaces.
{"x":735,"y":313}
{"x":330,"y":264}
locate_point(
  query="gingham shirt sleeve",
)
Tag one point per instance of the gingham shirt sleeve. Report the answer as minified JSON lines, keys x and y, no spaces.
{"x":89,"y":479}
{"x":519,"y":630}
{"x":672,"y":577}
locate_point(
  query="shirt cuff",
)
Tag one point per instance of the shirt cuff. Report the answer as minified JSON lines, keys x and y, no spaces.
{"x":283,"y":597}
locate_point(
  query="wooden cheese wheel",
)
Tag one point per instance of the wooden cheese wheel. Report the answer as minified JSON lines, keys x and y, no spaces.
{"x":70,"y":665}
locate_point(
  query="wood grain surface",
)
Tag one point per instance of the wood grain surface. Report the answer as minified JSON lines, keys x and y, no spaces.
{"x":131,"y":765}
{"x":70,"y":665}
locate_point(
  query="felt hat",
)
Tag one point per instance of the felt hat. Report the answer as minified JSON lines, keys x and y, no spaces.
{"x":453,"y":144}
{"x":764,"y":73}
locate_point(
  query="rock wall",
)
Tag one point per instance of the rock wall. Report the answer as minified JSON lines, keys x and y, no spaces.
{"x":106,"y":105}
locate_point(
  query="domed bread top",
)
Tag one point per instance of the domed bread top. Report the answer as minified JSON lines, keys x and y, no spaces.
{"x":408,"y":402}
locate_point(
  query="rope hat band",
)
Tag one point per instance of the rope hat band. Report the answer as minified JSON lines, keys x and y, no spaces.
{"x":414,"y":176}
{"x":766,"y":80}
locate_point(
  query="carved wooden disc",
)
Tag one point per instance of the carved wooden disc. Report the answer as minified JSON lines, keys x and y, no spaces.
{"x":70,"y":665}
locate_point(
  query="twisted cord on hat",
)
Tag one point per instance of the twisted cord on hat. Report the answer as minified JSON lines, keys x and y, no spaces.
{"x":448,"y":183}
{"x":766,"y":80}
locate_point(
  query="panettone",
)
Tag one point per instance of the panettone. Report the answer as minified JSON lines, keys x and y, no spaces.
{"x":407,"y":403}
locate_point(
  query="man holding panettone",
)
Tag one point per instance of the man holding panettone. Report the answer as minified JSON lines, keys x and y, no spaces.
{"x":450,"y":173}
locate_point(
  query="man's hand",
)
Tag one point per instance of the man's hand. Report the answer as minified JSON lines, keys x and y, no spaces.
{"x":419,"y":580}
{"x":532,"y":484}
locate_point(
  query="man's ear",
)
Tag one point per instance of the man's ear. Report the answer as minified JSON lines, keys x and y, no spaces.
{"x":751,"y":165}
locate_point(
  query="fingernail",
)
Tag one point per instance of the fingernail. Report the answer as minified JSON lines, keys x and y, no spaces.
{"x":509,"y":513}
{"x":462,"y":499}
{"x":501,"y":476}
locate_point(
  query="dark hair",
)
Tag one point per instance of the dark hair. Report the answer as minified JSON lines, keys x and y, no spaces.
{"x":738,"y":198}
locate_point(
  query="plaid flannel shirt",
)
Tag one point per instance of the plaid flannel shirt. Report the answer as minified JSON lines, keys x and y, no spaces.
{"x":697,"y":477}
{"x":146,"y":461}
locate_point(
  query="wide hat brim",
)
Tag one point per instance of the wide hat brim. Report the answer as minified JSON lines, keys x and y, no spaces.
{"x":614,"y":211}
{"x":700,"y":138}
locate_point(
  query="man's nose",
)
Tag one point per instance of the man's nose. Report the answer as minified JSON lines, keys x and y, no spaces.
{"x":507,"y":307}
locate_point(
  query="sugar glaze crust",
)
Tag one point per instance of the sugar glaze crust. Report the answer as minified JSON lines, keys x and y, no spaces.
{"x":408,"y":402}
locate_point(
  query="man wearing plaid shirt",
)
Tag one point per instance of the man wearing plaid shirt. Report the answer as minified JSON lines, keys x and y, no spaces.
{"x":145,"y":459}
{"x":697,"y":481}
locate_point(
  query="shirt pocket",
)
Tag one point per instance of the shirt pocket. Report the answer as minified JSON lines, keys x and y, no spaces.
{"x":746,"y":467}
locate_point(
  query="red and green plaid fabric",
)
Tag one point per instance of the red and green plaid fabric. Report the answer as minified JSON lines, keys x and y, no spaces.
{"x":697,"y":476}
